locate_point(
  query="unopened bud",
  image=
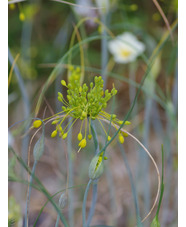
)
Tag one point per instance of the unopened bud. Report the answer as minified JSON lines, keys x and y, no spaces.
{"x":96,"y":167}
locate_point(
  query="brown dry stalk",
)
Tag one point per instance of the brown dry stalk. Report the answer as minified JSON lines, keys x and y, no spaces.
{"x":163,"y":16}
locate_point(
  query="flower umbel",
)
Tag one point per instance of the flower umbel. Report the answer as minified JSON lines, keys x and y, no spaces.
{"x":85,"y":104}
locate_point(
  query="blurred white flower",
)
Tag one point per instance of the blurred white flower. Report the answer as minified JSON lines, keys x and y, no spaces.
{"x":126,"y":48}
{"x":85,"y":11}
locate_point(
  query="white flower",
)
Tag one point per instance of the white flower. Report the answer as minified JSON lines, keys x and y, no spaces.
{"x":84,"y":9}
{"x":126,"y":48}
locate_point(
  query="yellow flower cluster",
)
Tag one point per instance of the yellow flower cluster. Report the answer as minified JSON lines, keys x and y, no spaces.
{"x":85,"y":104}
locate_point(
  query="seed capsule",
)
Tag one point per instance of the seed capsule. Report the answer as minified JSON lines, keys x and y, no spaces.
{"x":96,"y":167}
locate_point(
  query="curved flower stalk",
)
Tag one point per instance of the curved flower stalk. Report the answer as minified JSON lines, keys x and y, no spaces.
{"x":125,"y":48}
{"x":152,"y":159}
{"x":85,"y":104}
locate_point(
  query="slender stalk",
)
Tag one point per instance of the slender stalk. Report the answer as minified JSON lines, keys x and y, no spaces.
{"x":95,"y":138}
{"x":169,"y":168}
{"x":84,"y":203}
{"x":93,"y":204}
{"x":41,"y":187}
{"x":94,"y":190}
{"x":153,"y":161}
{"x":104,"y":51}
{"x":26,"y":106}
{"x":156,"y":121}
{"x":112,"y":192}
{"x":143,"y":159}
{"x":71,"y":176}
{"x":29,"y":194}
{"x":57,"y":221}
{"x":138,"y":218}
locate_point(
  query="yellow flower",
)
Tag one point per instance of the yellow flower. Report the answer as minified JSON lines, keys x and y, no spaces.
{"x":121,"y":139}
{"x":80,"y":136}
{"x":37,"y":123}
{"x":21,"y":16}
{"x":83,"y":143}
{"x":54,"y":134}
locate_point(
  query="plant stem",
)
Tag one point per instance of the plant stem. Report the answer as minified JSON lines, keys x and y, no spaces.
{"x":57,"y":221}
{"x":95,"y":138}
{"x":104,"y":51}
{"x":71,"y":176}
{"x":26,"y":103}
{"x":138,"y":218}
{"x":84,"y":203}
{"x":93,"y":204}
{"x":29,"y":194}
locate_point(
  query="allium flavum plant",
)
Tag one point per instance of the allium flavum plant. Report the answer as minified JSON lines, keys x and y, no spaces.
{"x":86,"y":104}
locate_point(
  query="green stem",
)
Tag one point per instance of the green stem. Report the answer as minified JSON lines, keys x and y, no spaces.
{"x":84,"y":203}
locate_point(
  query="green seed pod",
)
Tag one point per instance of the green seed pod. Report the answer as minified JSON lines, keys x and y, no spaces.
{"x":96,"y":167}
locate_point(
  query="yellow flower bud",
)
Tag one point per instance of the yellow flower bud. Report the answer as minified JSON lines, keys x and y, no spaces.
{"x":120,"y":122}
{"x":83,"y":143}
{"x":127,"y":122}
{"x":64,"y":135}
{"x":37,"y":123}
{"x":54,"y":134}
{"x":21,"y":17}
{"x":80,"y":136}
{"x":121,"y":139}
{"x":89,"y":136}
{"x":54,"y":122}
{"x":108,"y":138}
{"x":84,"y":114}
{"x":63,"y":83}
{"x":125,"y":134}
{"x":12,"y":6}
